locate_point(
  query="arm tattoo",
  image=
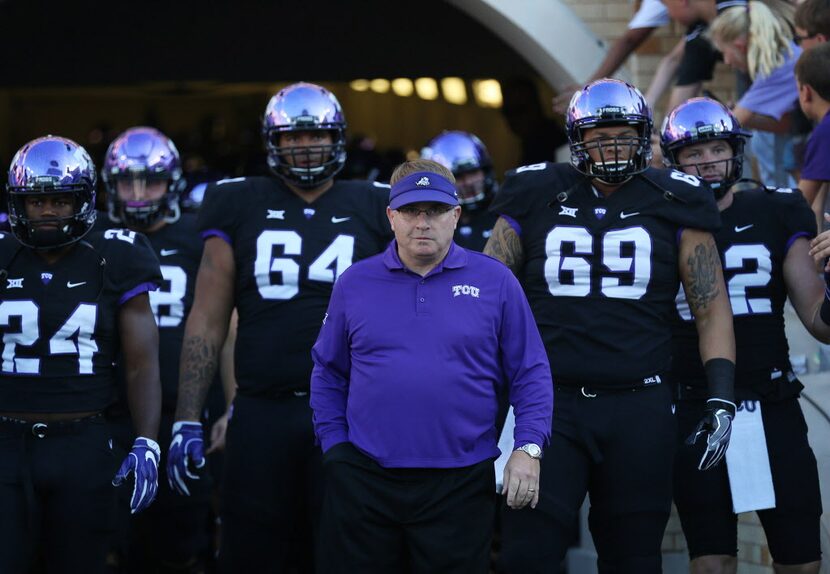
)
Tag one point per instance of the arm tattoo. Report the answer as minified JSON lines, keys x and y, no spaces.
{"x":504,"y":244}
{"x":703,"y":278}
{"x":198,"y":367}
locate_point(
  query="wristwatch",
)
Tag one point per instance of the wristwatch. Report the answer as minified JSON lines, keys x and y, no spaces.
{"x":532,"y":450}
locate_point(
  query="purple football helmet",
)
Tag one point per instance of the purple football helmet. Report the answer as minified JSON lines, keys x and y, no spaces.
{"x":703,"y":119}
{"x":304,"y":107}
{"x":609,"y":102}
{"x":138,"y":156}
{"x":461,"y":153}
{"x":47,"y":166}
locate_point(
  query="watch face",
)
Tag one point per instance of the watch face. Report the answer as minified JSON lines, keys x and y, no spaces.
{"x":532,"y":449}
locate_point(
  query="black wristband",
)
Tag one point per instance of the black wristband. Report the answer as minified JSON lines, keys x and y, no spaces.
{"x":720,"y":378}
{"x":824,"y":312}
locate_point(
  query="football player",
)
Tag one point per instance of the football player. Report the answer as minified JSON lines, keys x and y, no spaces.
{"x":764,"y":247}
{"x":600,"y":245}
{"x":72,"y":303}
{"x":143,"y":179}
{"x":273,"y":248}
{"x":469,"y":161}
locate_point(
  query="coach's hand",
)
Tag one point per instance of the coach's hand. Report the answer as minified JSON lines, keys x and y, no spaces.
{"x":187,"y":450}
{"x":143,"y":462}
{"x":521,"y":480}
{"x":716,"y":425}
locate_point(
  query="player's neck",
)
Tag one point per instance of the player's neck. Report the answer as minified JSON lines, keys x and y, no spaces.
{"x":605,"y":189}
{"x":310,"y":195}
{"x":52,"y":256}
{"x":726,"y":201}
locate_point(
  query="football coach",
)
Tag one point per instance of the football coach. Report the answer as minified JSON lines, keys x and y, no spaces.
{"x":416,"y":345}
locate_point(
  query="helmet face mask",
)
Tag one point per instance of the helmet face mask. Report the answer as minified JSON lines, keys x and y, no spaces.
{"x":700,"y":120}
{"x":618,"y":154}
{"x":466,"y":156}
{"x":312,"y":116}
{"x":135,"y":161}
{"x":60,"y":172}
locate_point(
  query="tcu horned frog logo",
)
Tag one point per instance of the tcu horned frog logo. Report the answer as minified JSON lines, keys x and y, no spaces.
{"x":465,"y":290}
{"x":423,"y":181}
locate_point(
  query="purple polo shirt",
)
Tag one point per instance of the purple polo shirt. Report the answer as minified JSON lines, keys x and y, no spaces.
{"x":407,"y":368}
{"x":817,"y":155}
{"x":776,"y":94}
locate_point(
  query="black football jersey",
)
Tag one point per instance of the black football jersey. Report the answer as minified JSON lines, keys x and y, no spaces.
{"x":59,"y":322}
{"x":288,"y":253}
{"x":178,"y":247}
{"x":601,"y":274}
{"x":758,"y":230}
{"x":474,"y":228}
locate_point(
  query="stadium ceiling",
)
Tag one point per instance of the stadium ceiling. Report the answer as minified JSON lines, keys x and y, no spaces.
{"x":93,"y":43}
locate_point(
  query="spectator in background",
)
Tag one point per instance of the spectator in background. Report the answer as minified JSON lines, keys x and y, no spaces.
{"x":651,"y":15}
{"x":813,"y":73}
{"x":812,"y":29}
{"x":693,"y":59}
{"x":812,"y":23}
{"x":522,"y":109}
{"x":757,"y":40}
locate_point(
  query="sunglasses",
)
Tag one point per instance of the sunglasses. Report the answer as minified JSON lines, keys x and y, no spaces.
{"x":798,"y":39}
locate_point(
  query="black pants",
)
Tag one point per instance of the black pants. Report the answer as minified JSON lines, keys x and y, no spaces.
{"x":617,"y":447}
{"x":704,"y":499}
{"x":272,"y":487}
{"x":389,"y":520}
{"x":57,"y":497}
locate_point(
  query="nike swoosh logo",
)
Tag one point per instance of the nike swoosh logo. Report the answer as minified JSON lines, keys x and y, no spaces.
{"x":70,"y":284}
{"x":339,"y":219}
{"x":166,"y":252}
{"x":624,"y":215}
{"x":744,"y":228}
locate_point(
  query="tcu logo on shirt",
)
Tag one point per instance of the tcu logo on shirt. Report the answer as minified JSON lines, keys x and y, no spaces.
{"x":464,"y":290}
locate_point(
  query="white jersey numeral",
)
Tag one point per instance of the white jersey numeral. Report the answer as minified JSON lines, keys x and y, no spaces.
{"x":326,"y":268}
{"x":692,"y":180}
{"x":756,"y":257}
{"x":570,"y":275}
{"x":121,"y":235}
{"x":27,"y":312}
{"x":80,"y":326}
{"x":171,"y":301}
{"x":740,"y":257}
{"x":75,"y":337}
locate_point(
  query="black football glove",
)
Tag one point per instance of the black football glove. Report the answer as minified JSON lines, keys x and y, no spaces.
{"x":716,"y":425}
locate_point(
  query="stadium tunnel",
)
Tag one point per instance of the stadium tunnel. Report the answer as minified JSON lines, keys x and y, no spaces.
{"x":203,"y":73}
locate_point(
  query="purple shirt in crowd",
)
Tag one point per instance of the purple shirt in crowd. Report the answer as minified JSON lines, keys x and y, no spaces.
{"x":407,"y":368}
{"x":817,"y":155}
{"x":776,"y":94}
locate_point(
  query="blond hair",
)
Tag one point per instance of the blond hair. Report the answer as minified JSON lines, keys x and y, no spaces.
{"x":416,"y":165}
{"x":767,"y":31}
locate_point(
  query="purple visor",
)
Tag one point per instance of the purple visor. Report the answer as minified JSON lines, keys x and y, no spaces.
{"x":422,"y":186}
